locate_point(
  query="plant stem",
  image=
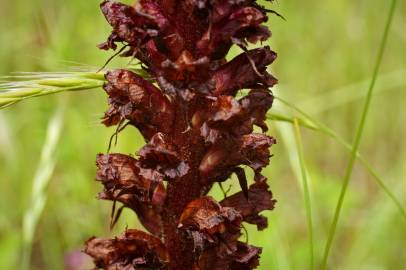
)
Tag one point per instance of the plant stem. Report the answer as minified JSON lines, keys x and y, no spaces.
{"x":306,"y":192}
{"x":358,"y":137}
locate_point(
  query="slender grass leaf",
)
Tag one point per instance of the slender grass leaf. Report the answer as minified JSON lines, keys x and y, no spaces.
{"x":358,"y":136}
{"x":39,"y":186}
{"x":306,"y":192}
{"x":318,"y":126}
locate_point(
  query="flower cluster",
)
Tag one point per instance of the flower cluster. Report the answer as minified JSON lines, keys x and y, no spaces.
{"x":197,"y":133}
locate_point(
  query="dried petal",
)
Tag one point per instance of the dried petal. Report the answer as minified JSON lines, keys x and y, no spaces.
{"x":211,"y":227}
{"x":137,"y":100}
{"x":238,"y":117}
{"x":206,"y":215}
{"x":137,"y":25}
{"x":254,"y":149}
{"x":161,"y":155}
{"x":122,"y":173}
{"x":159,"y":150}
{"x":137,"y":188}
{"x":256,"y":104}
{"x":149,"y":216}
{"x":246,"y":257}
{"x":225,"y":110}
{"x":259,"y":199}
{"x":216,"y":165}
{"x":132,"y":250}
{"x":240,"y":257}
{"x":127,"y":25}
{"x":248,"y":70}
{"x":222,"y":159}
{"x":241,"y":23}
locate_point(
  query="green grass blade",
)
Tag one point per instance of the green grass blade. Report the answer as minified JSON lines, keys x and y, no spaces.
{"x":302,"y":122}
{"x":306,"y":192}
{"x":368,"y":167}
{"x":313,"y":124}
{"x":39,"y":186}
{"x":358,"y":137}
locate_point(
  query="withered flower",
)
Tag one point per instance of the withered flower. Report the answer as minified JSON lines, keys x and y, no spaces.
{"x":132,"y":250}
{"x":197,"y":133}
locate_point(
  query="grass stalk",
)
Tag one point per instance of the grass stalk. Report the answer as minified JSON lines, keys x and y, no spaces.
{"x":312,"y":124}
{"x":306,"y":192}
{"x":40,"y":183}
{"x":358,"y":137}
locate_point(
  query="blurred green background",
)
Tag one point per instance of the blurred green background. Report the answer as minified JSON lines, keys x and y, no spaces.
{"x":327,"y":50}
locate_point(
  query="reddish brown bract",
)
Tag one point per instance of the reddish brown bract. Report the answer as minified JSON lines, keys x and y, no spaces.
{"x":197,"y":133}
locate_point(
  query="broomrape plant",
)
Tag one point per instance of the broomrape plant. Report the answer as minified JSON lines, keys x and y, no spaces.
{"x":197,"y":132}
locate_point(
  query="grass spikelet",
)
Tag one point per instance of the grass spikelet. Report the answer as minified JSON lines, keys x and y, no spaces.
{"x":28,"y":85}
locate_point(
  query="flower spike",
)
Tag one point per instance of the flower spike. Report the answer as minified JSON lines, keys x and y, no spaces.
{"x":197,"y":133}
